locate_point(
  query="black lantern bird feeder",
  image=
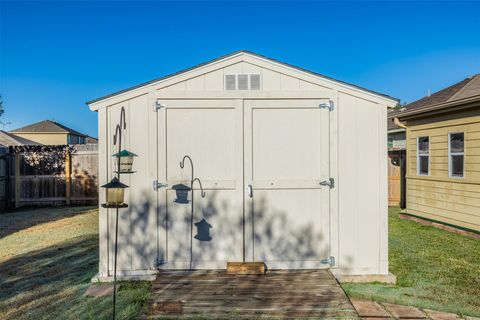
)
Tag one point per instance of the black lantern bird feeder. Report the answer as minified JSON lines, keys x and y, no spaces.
{"x":115,"y":190}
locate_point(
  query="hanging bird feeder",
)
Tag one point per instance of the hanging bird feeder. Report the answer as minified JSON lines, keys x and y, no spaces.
{"x":126,"y":161}
{"x":115,"y":194}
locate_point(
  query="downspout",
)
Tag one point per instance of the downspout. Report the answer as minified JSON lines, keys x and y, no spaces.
{"x":398,"y":123}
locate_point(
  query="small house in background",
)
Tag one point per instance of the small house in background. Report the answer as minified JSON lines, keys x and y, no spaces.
{"x":443,"y":155}
{"x":91,"y":140}
{"x":49,"y":132}
{"x":397,"y":161}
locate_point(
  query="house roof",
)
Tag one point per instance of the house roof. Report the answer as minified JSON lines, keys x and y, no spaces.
{"x":465,"y":90}
{"x":229,"y":55}
{"x":47,"y":126}
{"x":10,"y":139}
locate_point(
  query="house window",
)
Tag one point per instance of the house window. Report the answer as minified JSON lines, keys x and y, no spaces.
{"x":456,"y":154}
{"x":242,"y":82}
{"x":423,"y":156}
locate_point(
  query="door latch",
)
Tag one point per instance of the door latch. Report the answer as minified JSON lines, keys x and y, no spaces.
{"x":330,"y":183}
{"x":159,"y":185}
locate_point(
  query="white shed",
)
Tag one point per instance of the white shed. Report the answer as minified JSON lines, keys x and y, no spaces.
{"x":293,"y":165}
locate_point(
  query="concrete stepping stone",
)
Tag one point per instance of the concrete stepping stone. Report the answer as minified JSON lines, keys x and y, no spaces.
{"x":404,"y":312}
{"x":369,"y":309}
{"x":99,"y":290}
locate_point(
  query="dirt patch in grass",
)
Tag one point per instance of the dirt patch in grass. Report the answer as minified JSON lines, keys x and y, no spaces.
{"x":47,"y":264}
{"x":435,"y":269}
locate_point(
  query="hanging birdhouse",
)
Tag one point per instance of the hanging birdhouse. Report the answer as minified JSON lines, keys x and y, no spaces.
{"x":126,"y":161}
{"x":203,"y":230}
{"x":181,"y":191}
{"x":115,"y":194}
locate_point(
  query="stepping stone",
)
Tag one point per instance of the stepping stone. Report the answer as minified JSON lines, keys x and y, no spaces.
{"x":367,"y":309}
{"x":99,"y":290}
{"x":437,"y":315}
{"x":404,"y":312}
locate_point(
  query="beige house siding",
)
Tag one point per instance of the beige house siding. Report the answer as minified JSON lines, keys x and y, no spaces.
{"x":438,"y":197}
{"x":45,"y":138}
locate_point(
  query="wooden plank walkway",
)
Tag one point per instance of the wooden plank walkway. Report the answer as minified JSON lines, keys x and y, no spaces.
{"x":305,"y":294}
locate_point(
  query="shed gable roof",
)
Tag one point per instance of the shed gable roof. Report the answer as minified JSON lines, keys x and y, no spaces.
{"x":46,"y":126}
{"x":236,"y":53}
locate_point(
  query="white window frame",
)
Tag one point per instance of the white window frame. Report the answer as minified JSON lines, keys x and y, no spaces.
{"x":424,"y":155}
{"x":450,"y":154}
{"x":249,"y":87}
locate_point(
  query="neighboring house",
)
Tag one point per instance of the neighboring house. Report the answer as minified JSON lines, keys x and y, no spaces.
{"x":49,"y":132}
{"x":443,"y":152}
{"x":91,"y":140}
{"x":396,"y":134}
{"x":293,"y":164}
{"x":9,"y":139}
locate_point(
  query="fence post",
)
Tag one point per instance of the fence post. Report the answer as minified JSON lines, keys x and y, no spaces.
{"x":17,"y":180}
{"x":67,"y":178}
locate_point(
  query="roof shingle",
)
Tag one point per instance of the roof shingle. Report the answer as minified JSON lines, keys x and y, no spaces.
{"x":47,"y":126}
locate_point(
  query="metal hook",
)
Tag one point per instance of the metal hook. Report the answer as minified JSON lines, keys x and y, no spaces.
{"x":192,"y":180}
{"x":201,"y":188}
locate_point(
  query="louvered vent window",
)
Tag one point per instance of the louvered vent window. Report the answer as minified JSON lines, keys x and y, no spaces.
{"x":242,"y":82}
{"x":254,"y":82}
{"x":230,"y":82}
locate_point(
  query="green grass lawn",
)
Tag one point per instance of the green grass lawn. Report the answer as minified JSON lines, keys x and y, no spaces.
{"x":47,"y":259}
{"x":435,"y":269}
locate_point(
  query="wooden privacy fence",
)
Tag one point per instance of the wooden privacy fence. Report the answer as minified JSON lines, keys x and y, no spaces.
{"x":42,"y":180}
{"x":396,"y":178}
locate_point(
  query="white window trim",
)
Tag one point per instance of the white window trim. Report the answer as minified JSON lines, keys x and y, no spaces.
{"x":425,"y":155}
{"x":456,"y":154}
{"x":249,"y":87}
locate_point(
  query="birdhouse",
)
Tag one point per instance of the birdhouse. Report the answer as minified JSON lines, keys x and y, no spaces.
{"x":115,"y":194}
{"x":181,"y":191}
{"x":126,"y":160}
{"x":203,"y":230}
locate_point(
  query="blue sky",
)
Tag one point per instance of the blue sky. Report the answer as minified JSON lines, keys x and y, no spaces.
{"x":57,"y":55}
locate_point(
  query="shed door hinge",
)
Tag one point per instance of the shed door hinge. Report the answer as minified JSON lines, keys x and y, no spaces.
{"x":330,"y":182}
{"x":158,"y":185}
{"x":329,"y":105}
{"x":330,"y":261}
{"x":157,"y":106}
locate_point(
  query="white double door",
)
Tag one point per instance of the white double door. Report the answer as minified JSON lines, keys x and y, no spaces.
{"x":261,"y":164}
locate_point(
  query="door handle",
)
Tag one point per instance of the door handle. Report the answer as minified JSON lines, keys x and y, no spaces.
{"x":250,"y":190}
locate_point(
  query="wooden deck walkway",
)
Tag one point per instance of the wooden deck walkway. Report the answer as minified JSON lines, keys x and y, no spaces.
{"x":312,"y":294}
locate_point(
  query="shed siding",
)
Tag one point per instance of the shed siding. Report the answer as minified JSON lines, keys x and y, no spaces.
{"x":438,"y":197}
{"x":358,"y":164}
{"x":362,"y":186}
